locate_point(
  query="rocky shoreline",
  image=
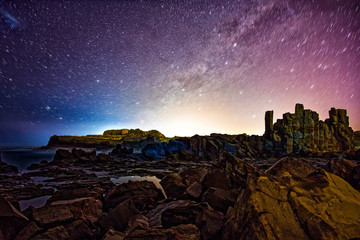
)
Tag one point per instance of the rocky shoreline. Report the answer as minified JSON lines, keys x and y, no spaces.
{"x":201,"y":187}
{"x":227,"y":199}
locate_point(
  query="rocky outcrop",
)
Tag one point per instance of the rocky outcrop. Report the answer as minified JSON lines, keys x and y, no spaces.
{"x":232,"y":199}
{"x":293,"y":200}
{"x":302,"y":131}
{"x":110,"y":138}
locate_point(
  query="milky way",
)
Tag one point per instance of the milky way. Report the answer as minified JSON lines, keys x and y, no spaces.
{"x":182,"y":67}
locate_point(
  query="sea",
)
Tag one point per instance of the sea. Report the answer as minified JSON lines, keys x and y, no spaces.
{"x":23,"y":157}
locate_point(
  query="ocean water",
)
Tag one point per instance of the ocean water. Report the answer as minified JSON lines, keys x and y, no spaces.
{"x":23,"y":157}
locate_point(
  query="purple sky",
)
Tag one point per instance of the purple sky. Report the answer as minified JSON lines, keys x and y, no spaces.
{"x":182,"y":67}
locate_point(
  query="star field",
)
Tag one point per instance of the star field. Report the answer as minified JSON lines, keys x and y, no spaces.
{"x":182,"y":67}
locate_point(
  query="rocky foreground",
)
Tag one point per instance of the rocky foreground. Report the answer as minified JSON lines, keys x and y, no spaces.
{"x":227,"y":199}
{"x":283,"y":185}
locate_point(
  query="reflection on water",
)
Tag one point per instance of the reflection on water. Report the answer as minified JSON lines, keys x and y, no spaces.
{"x":125,"y":179}
{"x":35,"y":202}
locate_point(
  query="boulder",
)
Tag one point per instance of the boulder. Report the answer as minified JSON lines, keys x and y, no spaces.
{"x":143,"y":194}
{"x":78,"y":153}
{"x":187,"y":212}
{"x":327,"y":206}
{"x":52,"y":215}
{"x":173,"y":185}
{"x":237,"y":171}
{"x":62,"y":154}
{"x":290,"y":201}
{"x":11,"y":220}
{"x":64,"y":211}
{"x":262,"y":211}
{"x":194,"y":190}
{"x":119,"y":217}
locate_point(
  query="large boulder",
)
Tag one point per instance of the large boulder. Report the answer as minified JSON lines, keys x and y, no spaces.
{"x":62,"y":154}
{"x":119,"y":217}
{"x":262,"y":211}
{"x":187,"y":212}
{"x":291,"y":201}
{"x":11,"y":220}
{"x":173,"y":185}
{"x":142,"y":193}
{"x":59,"y":212}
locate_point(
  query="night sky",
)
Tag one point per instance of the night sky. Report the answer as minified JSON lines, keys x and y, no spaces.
{"x":182,"y":67}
